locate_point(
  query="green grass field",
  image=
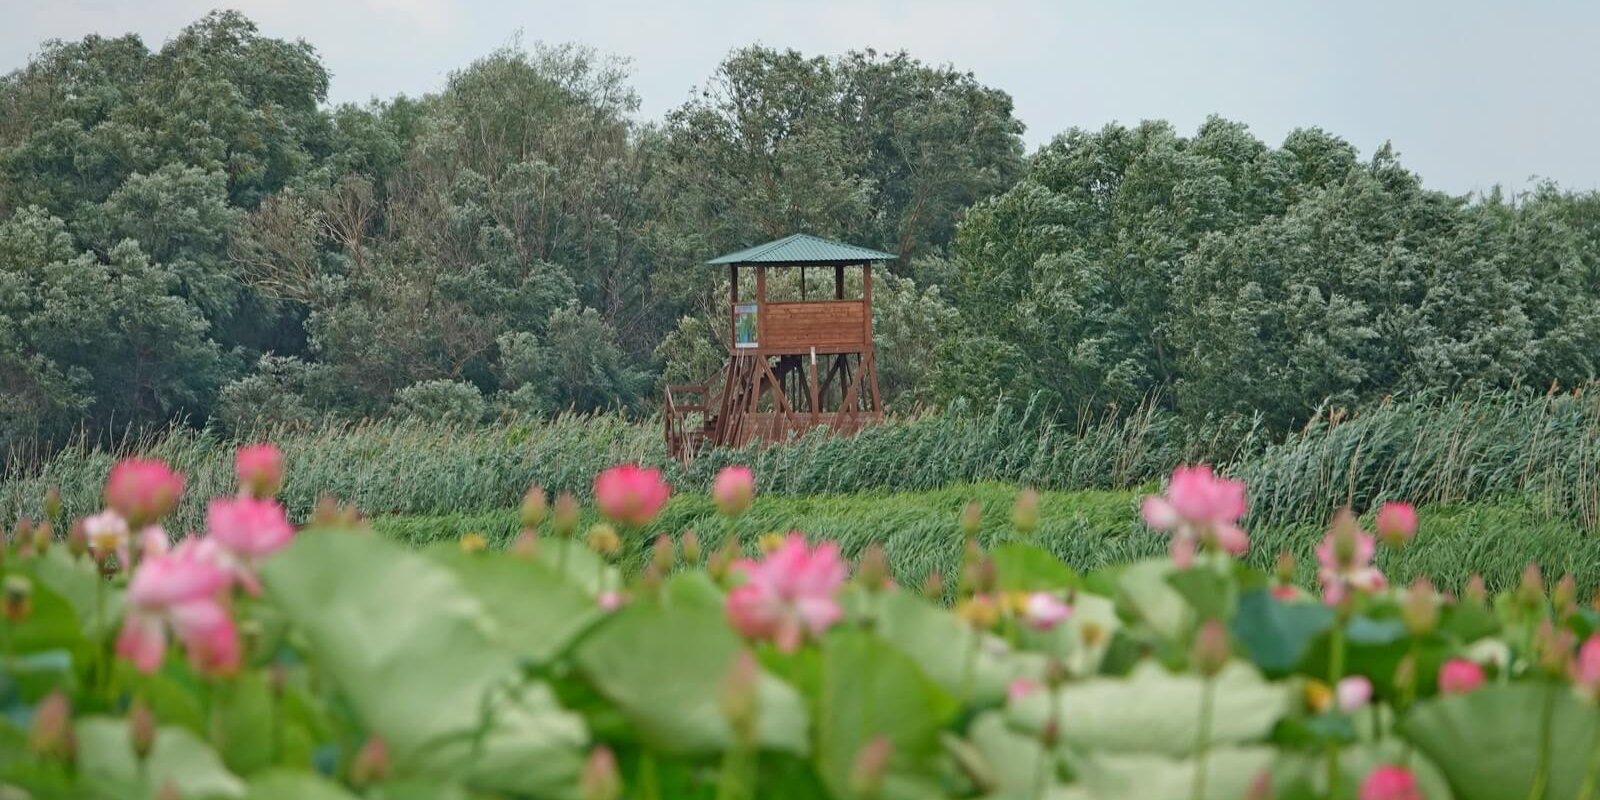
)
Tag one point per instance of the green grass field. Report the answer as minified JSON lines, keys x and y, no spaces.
{"x":1088,"y":529}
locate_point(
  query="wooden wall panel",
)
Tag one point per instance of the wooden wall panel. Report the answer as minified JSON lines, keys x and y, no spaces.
{"x":829,"y":326}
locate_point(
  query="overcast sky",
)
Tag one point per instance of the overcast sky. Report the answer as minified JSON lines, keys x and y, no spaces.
{"x":1471,"y":92}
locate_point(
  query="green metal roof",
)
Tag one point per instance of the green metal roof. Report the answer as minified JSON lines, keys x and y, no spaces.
{"x":803,"y":248}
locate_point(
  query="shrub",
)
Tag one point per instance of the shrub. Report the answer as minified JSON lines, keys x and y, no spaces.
{"x":448,"y":402}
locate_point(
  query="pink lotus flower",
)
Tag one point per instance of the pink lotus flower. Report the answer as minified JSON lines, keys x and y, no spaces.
{"x":1459,"y":676}
{"x":1585,"y":669}
{"x":1396,"y":523}
{"x":260,"y":469}
{"x":1043,"y":610}
{"x":143,"y":490}
{"x":107,"y":533}
{"x":1198,"y":508}
{"x":1390,"y":782}
{"x":788,"y":593}
{"x":153,"y":542}
{"x":1353,"y":692}
{"x":1344,"y":560}
{"x":734,"y":490}
{"x":1020,"y":688}
{"x":179,"y":591}
{"x":246,"y":531}
{"x":1285,"y":592}
{"x":630,"y":494}
{"x":611,"y":600}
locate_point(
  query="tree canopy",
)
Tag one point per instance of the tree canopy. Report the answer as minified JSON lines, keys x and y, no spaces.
{"x":194,"y":233}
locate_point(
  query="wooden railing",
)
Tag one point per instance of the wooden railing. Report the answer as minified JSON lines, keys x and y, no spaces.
{"x":683,"y":435}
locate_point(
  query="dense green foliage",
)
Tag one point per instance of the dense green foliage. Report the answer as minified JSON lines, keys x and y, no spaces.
{"x":193,"y":234}
{"x":1227,"y":275}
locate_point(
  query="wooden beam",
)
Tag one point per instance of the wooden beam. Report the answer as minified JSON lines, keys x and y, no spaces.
{"x":761,"y":308}
{"x":838,"y":282}
{"x":813,"y":395}
{"x":866,"y":302}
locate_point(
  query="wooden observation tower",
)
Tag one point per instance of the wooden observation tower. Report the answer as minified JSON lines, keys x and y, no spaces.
{"x":795,"y":361}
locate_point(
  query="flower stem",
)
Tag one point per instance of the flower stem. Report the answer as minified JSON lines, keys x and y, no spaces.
{"x":1546,"y":719}
{"x":1202,"y":739}
{"x":1590,"y":774}
{"x":1335,"y":674}
{"x":731,"y":785}
{"x":1041,"y":774}
{"x":101,"y":672}
{"x":648,"y":779}
{"x":969,"y":666}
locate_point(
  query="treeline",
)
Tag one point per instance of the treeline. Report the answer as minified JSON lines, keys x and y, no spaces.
{"x":194,"y":233}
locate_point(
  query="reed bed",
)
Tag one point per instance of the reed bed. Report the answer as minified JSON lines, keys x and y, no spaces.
{"x":1540,"y":451}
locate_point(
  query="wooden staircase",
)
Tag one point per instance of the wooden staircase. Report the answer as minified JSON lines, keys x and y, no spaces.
{"x":690,"y":419}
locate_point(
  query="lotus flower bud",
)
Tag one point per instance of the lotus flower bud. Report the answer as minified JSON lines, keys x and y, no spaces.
{"x":1284,"y":570}
{"x":42,"y":536}
{"x":1460,"y":676}
{"x":663,"y":556}
{"x":971,"y":519}
{"x":689,"y":543}
{"x":987,"y":576}
{"x":873,"y":569}
{"x":141,"y":728}
{"x":18,"y":601}
{"x":1211,"y":648}
{"x":526,"y":545}
{"x":650,"y":581}
{"x":600,"y":779}
{"x":371,"y":764}
{"x":534,"y":508}
{"x":739,"y":696}
{"x":1552,"y":647}
{"x":1475,"y":591}
{"x":1390,"y":782}
{"x":142,"y":490}
{"x":50,"y":735}
{"x":1565,"y":596}
{"x":22,"y":533}
{"x":169,"y":791}
{"x":1420,"y":608}
{"x":722,"y":560}
{"x":603,"y":539}
{"x":52,"y":504}
{"x":1025,"y":512}
{"x":1396,"y":523}
{"x":734,"y":490}
{"x":871,"y":765}
{"x":564,"y":518}
{"x":933,"y":585}
{"x":1530,"y":593}
{"x":326,"y":511}
{"x":77,"y":539}
{"x":259,"y":468}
